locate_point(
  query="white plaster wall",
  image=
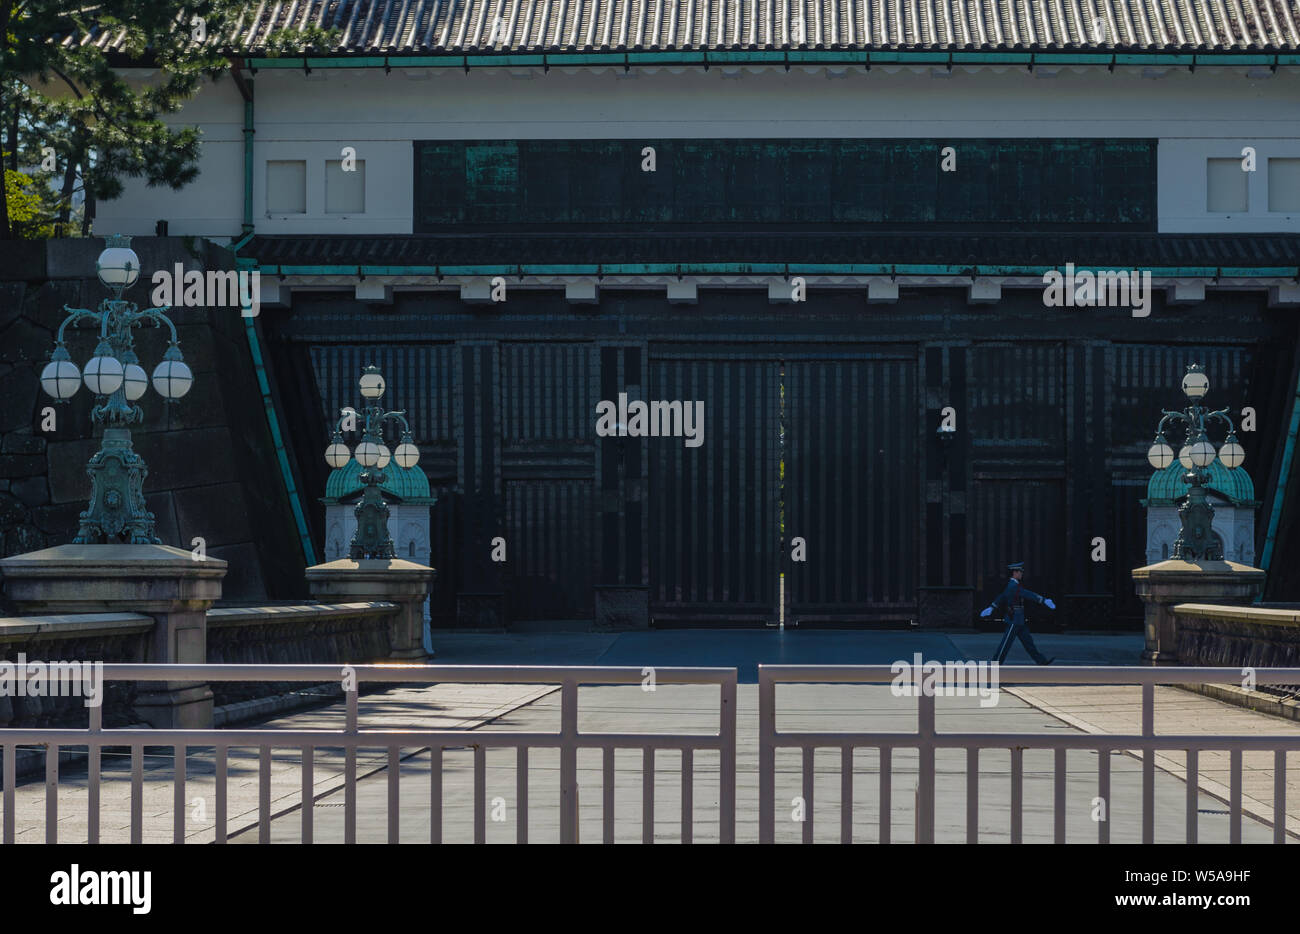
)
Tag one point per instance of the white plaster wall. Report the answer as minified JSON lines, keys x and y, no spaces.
{"x":313,"y":117}
{"x":1236,"y":526}
{"x":406,"y":524}
{"x":1182,"y":193}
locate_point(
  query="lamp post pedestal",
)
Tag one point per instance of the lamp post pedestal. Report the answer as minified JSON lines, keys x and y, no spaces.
{"x":157,"y":580}
{"x":387,"y":580}
{"x":117,"y":508}
{"x":1164,"y":585}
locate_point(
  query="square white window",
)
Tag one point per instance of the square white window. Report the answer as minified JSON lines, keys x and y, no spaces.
{"x":345,"y":191}
{"x":286,"y":187}
{"x":1226,"y":187}
{"x":1284,"y":185}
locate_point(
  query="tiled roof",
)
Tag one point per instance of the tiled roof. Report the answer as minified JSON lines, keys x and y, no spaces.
{"x":484,"y":26}
{"x":1104,"y":250}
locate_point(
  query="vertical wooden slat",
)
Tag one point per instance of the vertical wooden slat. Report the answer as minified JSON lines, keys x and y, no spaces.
{"x":222,"y":759}
{"x":886,"y":783}
{"x":52,"y":793}
{"x":394,"y":794}
{"x":846,"y":794}
{"x":10,"y":780}
{"x":435,"y":794}
{"x":1103,"y":792}
{"x":1148,"y":766}
{"x":648,"y":795}
{"x":264,"y":795}
{"x":1017,"y":794}
{"x":178,"y":794}
{"x":1234,"y":795}
{"x":1059,"y":798}
{"x":137,"y":794}
{"x":972,"y":794}
{"x":688,"y":794}
{"x":607,"y":791}
{"x":308,"y":793}
{"x":1279,"y":796}
{"x":480,"y":794}
{"x":808,"y":790}
{"x":94,"y":755}
{"x":521,"y":793}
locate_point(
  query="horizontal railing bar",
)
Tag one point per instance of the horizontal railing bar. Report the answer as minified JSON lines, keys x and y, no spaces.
{"x":1033,"y":741}
{"x":431,"y":674}
{"x":327,"y":739}
{"x":1011,"y":675}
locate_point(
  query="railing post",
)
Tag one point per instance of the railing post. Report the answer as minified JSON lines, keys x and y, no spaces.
{"x":1148,"y":764}
{"x":925,"y":773}
{"x":727,"y":762}
{"x":766,"y":757}
{"x":568,"y":761}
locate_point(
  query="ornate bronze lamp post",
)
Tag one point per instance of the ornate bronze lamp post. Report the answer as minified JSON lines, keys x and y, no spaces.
{"x":117,"y":512}
{"x":371,"y":539}
{"x":1196,"y":538}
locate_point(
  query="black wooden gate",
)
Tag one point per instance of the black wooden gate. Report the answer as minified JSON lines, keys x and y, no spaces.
{"x":851,"y":491}
{"x":713,"y":524}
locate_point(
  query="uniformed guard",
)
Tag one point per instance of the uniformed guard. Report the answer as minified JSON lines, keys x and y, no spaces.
{"x":1013,"y":599}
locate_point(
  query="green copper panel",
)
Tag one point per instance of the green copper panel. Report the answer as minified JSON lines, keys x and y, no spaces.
{"x":775,"y":184}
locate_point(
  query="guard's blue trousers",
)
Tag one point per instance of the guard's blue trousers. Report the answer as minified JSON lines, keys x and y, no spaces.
{"x":1017,"y":629}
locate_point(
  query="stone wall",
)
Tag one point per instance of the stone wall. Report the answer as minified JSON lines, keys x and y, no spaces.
{"x":346,"y":633}
{"x":1238,"y":636}
{"x":213,"y":469}
{"x":310,"y":634}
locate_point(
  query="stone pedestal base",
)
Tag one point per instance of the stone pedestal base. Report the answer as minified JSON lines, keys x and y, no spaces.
{"x":166,"y":583}
{"x":1164,"y":585}
{"x":620,"y":607}
{"x":387,"y":580}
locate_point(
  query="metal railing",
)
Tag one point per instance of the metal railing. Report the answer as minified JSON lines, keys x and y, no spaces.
{"x":925,"y":739}
{"x":568,"y":740}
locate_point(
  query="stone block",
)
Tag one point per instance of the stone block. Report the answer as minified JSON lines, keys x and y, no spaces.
{"x":217,"y":513}
{"x":243,"y":582}
{"x":164,"y":516}
{"x":187,"y":458}
{"x":20,"y":388}
{"x":21,"y":465}
{"x":58,"y":522}
{"x":66,"y":462}
{"x":23,"y":341}
{"x":22,"y":442}
{"x":33,"y":491}
{"x":23,"y":259}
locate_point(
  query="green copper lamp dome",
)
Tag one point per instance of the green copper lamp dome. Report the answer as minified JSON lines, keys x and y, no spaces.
{"x":1167,"y":486}
{"x":403,"y":484}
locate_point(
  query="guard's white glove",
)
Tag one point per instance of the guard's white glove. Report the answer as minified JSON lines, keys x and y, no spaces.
{"x":1049,"y":604}
{"x":986,"y":612}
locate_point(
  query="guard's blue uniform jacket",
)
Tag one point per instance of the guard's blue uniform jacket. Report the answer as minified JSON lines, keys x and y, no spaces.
{"x":1013,"y":598}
